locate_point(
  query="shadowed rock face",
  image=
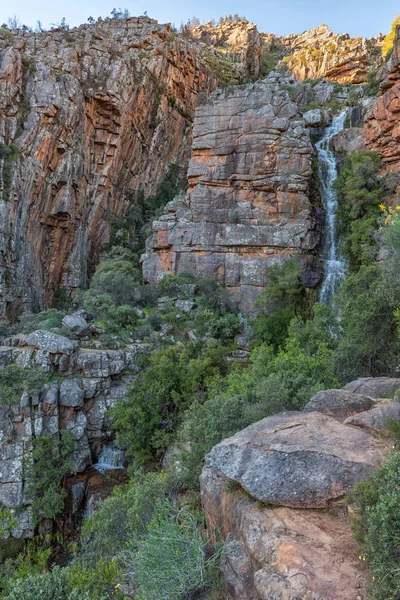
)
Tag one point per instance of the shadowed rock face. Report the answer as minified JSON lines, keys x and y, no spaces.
{"x":248,"y":202}
{"x":95,"y":111}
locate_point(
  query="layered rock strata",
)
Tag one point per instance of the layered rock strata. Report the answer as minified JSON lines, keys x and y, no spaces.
{"x":280,"y":546}
{"x":85,"y":115}
{"x":88,"y":383}
{"x":248,"y":204}
{"x":382,"y":127}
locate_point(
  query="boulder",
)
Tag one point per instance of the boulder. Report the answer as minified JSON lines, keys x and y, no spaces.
{"x":51,"y":342}
{"x":338,"y":403}
{"x":376,"y":387}
{"x":313,"y":118}
{"x":297,"y":460}
{"x":377,"y":418}
{"x":71,"y":394}
{"x":185,"y":305}
{"x":77,"y":324}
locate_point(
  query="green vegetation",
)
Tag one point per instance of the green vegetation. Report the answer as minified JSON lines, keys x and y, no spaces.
{"x":361,"y":191}
{"x":387,"y":46}
{"x":376,"y":507}
{"x":44,"y":472}
{"x":9,"y":154}
{"x":15,"y":380}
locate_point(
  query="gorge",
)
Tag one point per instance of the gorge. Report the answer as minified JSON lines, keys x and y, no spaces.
{"x":182,"y":214}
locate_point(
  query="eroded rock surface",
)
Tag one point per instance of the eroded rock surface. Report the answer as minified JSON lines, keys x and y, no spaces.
{"x":248,"y":205}
{"x":89,"y":383}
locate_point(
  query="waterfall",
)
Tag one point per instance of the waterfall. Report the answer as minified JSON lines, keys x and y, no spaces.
{"x":335,"y":265}
{"x":89,"y":510}
{"x":111,"y":457}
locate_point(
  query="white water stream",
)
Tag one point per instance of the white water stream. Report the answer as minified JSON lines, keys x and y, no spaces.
{"x":111,"y":457}
{"x":335,"y":265}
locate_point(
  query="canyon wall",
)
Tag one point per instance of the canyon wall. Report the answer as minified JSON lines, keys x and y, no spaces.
{"x":93,"y":112}
{"x":382,"y":126}
{"x":248,"y":204}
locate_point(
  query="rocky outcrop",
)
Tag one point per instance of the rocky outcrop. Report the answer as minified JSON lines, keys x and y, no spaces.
{"x":248,"y":204}
{"x":83,"y":384}
{"x":85,"y":116}
{"x":260,"y":490}
{"x":382,"y":128}
{"x":321,"y":53}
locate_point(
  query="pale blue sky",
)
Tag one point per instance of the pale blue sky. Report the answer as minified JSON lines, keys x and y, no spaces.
{"x":357,"y":17}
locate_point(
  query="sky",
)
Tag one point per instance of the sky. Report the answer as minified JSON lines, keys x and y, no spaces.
{"x":358,"y":17}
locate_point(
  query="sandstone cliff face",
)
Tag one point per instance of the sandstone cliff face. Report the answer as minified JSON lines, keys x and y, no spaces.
{"x":94,"y":111}
{"x":247,"y":205}
{"x":321,"y":53}
{"x":382,"y":127}
{"x":292,"y":463}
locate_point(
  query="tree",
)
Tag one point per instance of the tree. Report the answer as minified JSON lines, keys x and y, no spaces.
{"x":50,"y":462}
{"x":91,"y":20}
{"x":14,"y":23}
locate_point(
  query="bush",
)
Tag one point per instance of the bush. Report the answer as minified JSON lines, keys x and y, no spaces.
{"x":15,"y":380}
{"x":360,"y":192}
{"x":376,"y":507}
{"x":51,"y":461}
{"x":53,"y":585}
{"x":284,"y":297}
{"x":387,"y":46}
{"x":47,"y":319}
{"x":175,"y":377}
{"x":169,"y":562}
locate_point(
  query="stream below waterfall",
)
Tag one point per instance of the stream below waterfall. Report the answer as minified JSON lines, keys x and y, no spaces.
{"x":335,"y":265}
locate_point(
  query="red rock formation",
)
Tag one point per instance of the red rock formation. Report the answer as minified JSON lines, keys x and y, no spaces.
{"x":95,"y":111}
{"x":248,"y":204}
{"x":321,"y":53}
{"x":382,"y":127}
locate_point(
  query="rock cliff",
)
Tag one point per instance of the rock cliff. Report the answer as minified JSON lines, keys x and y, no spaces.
{"x":382,"y":127}
{"x":261,"y":489}
{"x":248,"y":203}
{"x":83,"y":385}
{"x":89,"y":113}
{"x":322,"y":53}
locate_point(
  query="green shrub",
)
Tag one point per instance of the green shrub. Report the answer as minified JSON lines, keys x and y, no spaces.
{"x":169,"y":562}
{"x":15,"y":380}
{"x":387,"y":46}
{"x":376,"y":507}
{"x":44,"y":473}
{"x":284,"y":297}
{"x":360,"y":192}
{"x":53,"y":585}
{"x":47,"y":319}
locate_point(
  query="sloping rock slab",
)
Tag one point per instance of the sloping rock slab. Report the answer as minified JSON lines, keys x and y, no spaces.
{"x":51,"y":342}
{"x":377,"y":387}
{"x":300,"y":460}
{"x":339,"y":403}
{"x":282,"y":553}
{"x":377,"y":418}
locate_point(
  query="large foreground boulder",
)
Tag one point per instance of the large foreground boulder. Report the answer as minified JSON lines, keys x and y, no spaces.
{"x":303,"y":460}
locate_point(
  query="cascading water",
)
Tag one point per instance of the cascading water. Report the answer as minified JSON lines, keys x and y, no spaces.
{"x":111,"y":457}
{"x":335,"y":265}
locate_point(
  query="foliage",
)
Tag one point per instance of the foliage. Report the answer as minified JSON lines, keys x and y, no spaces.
{"x":387,"y":46}
{"x":360,"y":192}
{"x":175,"y":378}
{"x":285,"y":380}
{"x":51,"y":461}
{"x":283,"y":299}
{"x":7,"y":521}
{"x":48,"y":319}
{"x":369,"y":343}
{"x":376,"y":508}
{"x":9,"y":154}
{"x":372,"y":83}
{"x":15,"y":380}
{"x":53,"y":585}
{"x":120,"y":518}
{"x":169,"y":562}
